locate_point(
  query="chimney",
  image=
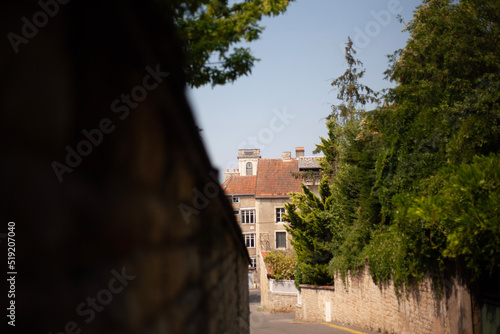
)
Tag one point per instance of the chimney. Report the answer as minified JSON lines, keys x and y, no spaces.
{"x":299,"y":152}
{"x":287,"y":156}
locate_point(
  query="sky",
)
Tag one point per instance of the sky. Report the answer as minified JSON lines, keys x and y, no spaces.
{"x":283,"y":103}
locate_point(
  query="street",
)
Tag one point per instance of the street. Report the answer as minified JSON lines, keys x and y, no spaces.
{"x":265,"y":323}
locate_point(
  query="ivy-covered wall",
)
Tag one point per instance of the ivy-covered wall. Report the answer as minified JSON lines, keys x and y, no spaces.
{"x":361,"y":303}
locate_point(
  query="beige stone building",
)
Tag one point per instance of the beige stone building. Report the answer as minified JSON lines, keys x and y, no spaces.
{"x":258,"y":191}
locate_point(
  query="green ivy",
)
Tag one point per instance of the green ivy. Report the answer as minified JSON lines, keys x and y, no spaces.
{"x":413,"y":185}
{"x":463,"y":218}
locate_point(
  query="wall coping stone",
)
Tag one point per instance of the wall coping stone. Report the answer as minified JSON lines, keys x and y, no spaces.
{"x":317,"y":287}
{"x":284,"y":293}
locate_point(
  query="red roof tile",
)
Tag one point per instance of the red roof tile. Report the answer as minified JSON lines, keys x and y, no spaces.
{"x":274,"y":178}
{"x":240,"y":185}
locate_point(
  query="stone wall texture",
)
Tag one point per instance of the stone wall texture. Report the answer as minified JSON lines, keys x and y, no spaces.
{"x":274,"y":302}
{"x":361,"y":303}
{"x":132,"y":233}
{"x":280,"y":303}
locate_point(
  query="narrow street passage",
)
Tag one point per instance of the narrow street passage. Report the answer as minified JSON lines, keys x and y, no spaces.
{"x":284,"y":323}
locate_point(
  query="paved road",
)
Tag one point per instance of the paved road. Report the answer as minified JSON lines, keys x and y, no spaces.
{"x":265,"y":323}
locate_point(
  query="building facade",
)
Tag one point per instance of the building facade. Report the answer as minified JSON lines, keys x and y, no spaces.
{"x":258,"y":191}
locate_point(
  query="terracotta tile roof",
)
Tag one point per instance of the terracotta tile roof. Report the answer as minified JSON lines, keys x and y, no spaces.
{"x":240,"y":185}
{"x":274,"y":178}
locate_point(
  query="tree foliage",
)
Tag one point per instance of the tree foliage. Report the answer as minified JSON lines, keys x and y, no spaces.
{"x":443,"y":112}
{"x":414,"y":184}
{"x":354,"y":96}
{"x":322,"y":227}
{"x":212,"y":29}
{"x":351,"y":92}
{"x":445,"y":106}
{"x":355,"y":146}
{"x":309,"y":222}
{"x":463,"y":217}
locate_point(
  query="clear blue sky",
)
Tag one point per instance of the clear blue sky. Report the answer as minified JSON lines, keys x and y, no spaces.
{"x":301,"y":53}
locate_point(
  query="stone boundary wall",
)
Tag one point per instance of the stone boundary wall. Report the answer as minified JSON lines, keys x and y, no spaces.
{"x":283,"y":286}
{"x":312,"y":304}
{"x":274,"y":302}
{"x":281,"y":303}
{"x":361,"y":303}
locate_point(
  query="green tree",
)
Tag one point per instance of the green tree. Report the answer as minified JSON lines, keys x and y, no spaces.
{"x":353,"y":94}
{"x":444,"y":109}
{"x":354,"y":97}
{"x":357,"y":210}
{"x":413,"y":185}
{"x":311,"y":236}
{"x":463,"y":218}
{"x":211,"y":31}
{"x":330,"y":232}
{"x":443,"y":112}
{"x":352,"y":147}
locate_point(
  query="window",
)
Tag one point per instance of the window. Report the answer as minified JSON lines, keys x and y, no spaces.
{"x":253,"y":262}
{"x":279,"y":214}
{"x":236,"y":199}
{"x":249,"y":168}
{"x":236,"y":212}
{"x":250,"y":240}
{"x":248,"y":216}
{"x":280,"y":239}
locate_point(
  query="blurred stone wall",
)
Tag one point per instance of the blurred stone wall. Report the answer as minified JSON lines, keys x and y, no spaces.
{"x":121,"y":226}
{"x":361,"y":303}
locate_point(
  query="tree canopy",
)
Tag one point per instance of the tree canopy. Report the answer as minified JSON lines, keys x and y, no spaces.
{"x":311,"y":235}
{"x":322,"y":226}
{"x":414,"y":183}
{"x":211,"y":31}
{"x":442,"y":119}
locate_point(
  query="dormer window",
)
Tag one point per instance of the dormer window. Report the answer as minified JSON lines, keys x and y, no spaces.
{"x":249,"y":168}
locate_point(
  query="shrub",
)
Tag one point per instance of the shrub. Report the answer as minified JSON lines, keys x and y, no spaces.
{"x":281,"y":264}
